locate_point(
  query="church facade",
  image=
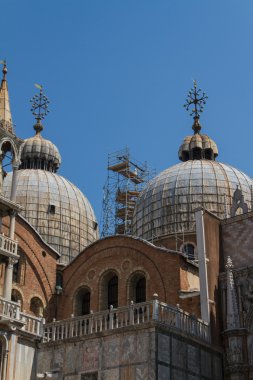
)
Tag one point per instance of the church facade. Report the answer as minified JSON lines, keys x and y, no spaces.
{"x":75,"y":306}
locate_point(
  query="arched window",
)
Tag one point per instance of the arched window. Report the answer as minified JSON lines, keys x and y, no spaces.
{"x":82,"y":302}
{"x":112,"y":292}
{"x":137,"y":287}
{"x":36,"y":307}
{"x":140,"y":290}
{"x":189,"y":250}
{"x":108,"y":290}
{"x":16,"y":296}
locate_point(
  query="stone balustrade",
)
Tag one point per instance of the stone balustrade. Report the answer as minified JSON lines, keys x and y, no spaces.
{"x":135,"y":314}
{"x":8,"y":247}
{"x":32,"y":325}
{"x":9,"y":309}
{"x":10,"y":312}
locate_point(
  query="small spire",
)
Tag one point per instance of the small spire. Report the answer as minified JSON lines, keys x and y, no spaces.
{"x":232,"y":307}
{"x":196,"y":98}
{"x":39,"y":108}
{"x":5,"y":110}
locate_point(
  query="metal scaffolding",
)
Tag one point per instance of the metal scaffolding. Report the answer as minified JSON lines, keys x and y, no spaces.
{"x":126,"y":178}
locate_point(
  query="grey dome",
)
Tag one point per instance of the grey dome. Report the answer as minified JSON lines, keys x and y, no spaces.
{"x":167,"y":204}
{"x":39,"y":153}
{"x":57,"y":209}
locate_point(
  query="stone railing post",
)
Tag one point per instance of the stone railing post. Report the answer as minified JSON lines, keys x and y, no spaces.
{"x":90,"y":329}
{"x":131,"y":312}
{"x":155,"y":304}
{"x":71,"y":332}
{"x":18,"y":310}
{"x":111,"y":318}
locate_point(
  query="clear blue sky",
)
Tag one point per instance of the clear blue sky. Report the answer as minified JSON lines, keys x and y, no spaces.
{"x":117,"y":73}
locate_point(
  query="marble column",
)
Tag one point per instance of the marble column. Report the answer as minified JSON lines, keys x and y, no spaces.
{"x":8,"y":279}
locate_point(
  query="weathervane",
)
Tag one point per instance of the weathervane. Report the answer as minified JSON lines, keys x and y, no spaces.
{"x":39,"y":108}
{"x":3,"y":62}
{"x":196,"y":98}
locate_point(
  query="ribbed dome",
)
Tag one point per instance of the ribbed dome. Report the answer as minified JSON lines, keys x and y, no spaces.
{"x":198,"y":146}
{"x":167,"y":204}
{"x":57,"y":209}
{"x":39,"y":153}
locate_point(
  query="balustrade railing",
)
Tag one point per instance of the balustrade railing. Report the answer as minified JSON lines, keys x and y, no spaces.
{"x":10,"y":310}
{"x":8,"y":246}
{"x":32,"y":325}
{"x":135,"y":314}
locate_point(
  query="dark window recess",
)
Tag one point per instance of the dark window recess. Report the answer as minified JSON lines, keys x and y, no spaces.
{"x":113,"y":292}
{"x":86,"y":303}
{"x":59,"y":279}
{"x":196,"y":154}
{"x":95,"y":226}
{"x":140,"y":290}
{"x":209,"y":154}
{"x":51,"y":209}
{"x":16,"y":272}
{"x":189,"y":251}
{"x":89,"y":376}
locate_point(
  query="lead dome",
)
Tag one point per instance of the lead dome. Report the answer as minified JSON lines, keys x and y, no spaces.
{"x":167,"y":205}
{"x":56,"y":208}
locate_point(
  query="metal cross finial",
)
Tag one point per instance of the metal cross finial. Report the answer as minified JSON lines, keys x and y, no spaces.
{"x":39,"y":105}
{"x":196,"y":98}
{"x":3,"y":62}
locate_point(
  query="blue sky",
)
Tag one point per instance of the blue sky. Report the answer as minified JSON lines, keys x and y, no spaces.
{"x":117,"y":74}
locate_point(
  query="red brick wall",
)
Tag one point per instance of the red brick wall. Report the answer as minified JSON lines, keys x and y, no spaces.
{"x":39,"y":273}
{"x":124,"y":256}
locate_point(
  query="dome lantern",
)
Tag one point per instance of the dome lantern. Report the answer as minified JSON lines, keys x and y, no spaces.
{"x":198,"y":146}
{"x":37,"y":152}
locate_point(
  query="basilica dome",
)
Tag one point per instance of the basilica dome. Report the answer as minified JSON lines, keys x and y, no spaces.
{"x":56,"y":208}
{"x":168,"y":203}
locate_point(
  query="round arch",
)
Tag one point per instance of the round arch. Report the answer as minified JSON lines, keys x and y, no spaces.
{"x":81,"y":300}
{"x":137,"y":286}
{"x":108,"y":289}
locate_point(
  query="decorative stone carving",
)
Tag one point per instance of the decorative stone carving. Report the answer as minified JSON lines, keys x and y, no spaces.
{"x":232,"y":306}
{"x":238,"y":203}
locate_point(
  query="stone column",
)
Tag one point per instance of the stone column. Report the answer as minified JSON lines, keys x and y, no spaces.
{"x":203,"y":279}
{"x":4,"y":364}
{"x":8,"y":279}
{"x":12,"y":224}
{"x":15,"y":166}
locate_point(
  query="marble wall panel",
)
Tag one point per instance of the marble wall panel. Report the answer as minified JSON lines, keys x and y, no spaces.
{"x":163,"y":372}
{"x":164,"y":348}
{"x":193,"y":358}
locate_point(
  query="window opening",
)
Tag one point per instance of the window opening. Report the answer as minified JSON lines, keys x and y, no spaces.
{"x":140,"y":290}
{"x":189,"y":249}
{"x":113,"y":292}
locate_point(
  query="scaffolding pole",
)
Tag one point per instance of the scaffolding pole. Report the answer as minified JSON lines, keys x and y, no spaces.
{"x":126,"y":178}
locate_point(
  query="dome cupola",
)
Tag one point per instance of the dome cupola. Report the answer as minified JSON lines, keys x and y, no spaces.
{"x":198,"y":146}
{"x":54,"y":206}
{"x":37,"y":152}
{"x":167,"y":205}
